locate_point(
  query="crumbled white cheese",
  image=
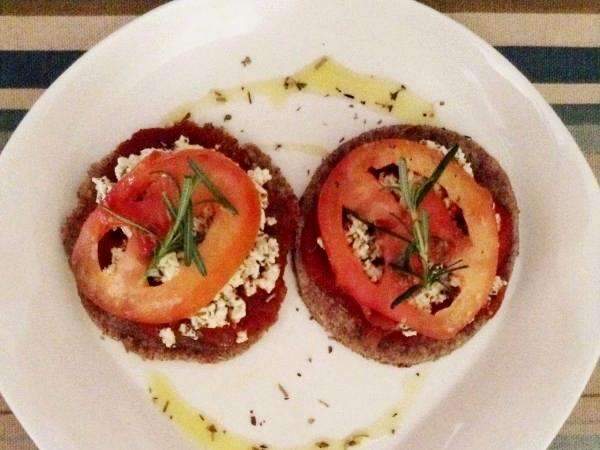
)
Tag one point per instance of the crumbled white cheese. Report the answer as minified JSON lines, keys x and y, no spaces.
{"x":103,"y":186}
{"x":454,"y":281}
{"x":116,"y":254}
{"x":126,"y":231}
{"x":498,"y":221}
{"x":214,"y":315}
{"x":320,"y":242}
{"x":388,"y":179}
{"x":126,"y":164}
{"x":497,"y":285}
{"x":364,"y":247}
{"x":242,"y":336}
{"x":184,"y":143}
{"x":237,"y":309}
{"x":166,"y":268}
{"x":260,"y":176}
{"x":188,"y":331}
{"x":460,"y":156}
{"x":270,"y":221}
{"x":406,"y":330}
{"x":259,"y":270}
{"x":436,"y":293}
{"x":168,"y":337}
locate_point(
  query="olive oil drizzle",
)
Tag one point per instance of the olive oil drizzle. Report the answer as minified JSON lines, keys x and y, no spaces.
{"x":328,"y":78}
{"x":206,"y":433}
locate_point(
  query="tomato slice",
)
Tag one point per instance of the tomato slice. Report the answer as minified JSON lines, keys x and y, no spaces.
{"x":351,"y":186}
{"x":123,"y":290}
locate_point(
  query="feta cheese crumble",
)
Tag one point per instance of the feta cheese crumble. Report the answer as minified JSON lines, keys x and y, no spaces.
{"x":320,"y":242}
{"x":364,"y":247}
{"x":168,"y":337}
{"x":497,"y":285}
{"x":242,"y":336}
{"x":406,"y":330}
{"x":116,"y":254}
{"x":126,"y":164}
{"x":188,"y":331}
{"x":103,"y":185}
{"x":166,"y":268}
{"x":434,"y":294}
{"x":460,"y":156}
{"x":183,"y":142}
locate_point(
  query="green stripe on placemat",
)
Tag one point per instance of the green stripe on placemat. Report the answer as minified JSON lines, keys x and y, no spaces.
{"x":10,"y":118}
{"x":4,"y":135}
{"x":578,"y":114}
{"x":575,"y":443}
{"x":39,"y":68}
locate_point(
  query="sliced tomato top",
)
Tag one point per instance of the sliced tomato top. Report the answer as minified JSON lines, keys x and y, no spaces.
{"x":123,"y":290}
{"x":352,"y":186}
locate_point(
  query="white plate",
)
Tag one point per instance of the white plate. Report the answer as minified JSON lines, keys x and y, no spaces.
{"x":511,"y":386}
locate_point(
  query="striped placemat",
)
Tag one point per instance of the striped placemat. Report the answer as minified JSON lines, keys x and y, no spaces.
{"x":556,"y":44}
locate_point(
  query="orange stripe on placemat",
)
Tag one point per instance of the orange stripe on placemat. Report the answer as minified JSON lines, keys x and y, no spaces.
{"x":507,"y":6}
{"x":77,"y":7}
{"x":134,"y":7}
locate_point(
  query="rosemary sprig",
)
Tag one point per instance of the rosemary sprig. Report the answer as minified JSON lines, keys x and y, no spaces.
{"x":125,"y":220}
{"x":413,"y":194}
{"x":216,"y":193}
{"x":181,"y":236}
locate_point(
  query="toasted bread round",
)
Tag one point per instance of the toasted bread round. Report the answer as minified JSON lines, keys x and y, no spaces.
{"x":341,"y":317}
{"x":262,"y":308}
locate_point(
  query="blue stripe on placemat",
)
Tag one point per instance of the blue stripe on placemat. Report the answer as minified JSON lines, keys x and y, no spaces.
{"x":33,"y":69}
{"x":38,"y":69}
{"x":556,"y":64}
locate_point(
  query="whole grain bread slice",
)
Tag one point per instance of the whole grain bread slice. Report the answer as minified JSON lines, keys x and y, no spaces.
{"x":262,"y":307}
{"x":342,"y":319}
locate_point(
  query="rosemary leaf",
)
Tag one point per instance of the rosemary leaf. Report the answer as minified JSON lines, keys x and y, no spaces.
{"x":170,"y":208}
{"x":217,"y":194}
{"x":437,"y":173}
{"x":406,"y":295}
{"x":189,"y":240}
{"x":127,"y":221}
{"x":198,"y":261}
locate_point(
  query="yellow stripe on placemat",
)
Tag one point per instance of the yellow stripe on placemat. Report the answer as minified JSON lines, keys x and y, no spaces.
{"x":19,"y":98}
{"x":575,"y":94}
{"x":81,"y":32}
{"x":56,"y":32}
{"x":548,"y":30}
